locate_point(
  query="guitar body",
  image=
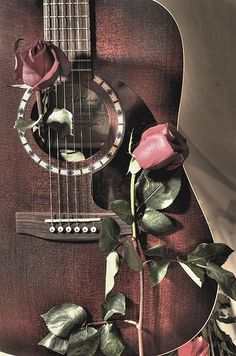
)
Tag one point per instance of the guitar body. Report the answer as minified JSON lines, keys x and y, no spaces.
{"x":138,"y":52}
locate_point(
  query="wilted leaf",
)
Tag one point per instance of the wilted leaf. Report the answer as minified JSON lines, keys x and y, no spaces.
{"x":110,"y":343}
{"x":55,"y":344}
{"x":195,"y":273}
{"x":20,"y":86}
{"x":155,"y":223}
{"x":112,"y":267}
{"x":210,"y":252}
{"x":72,"y":156}
{"x":157,"y":195}
{"x":157,"y":270}
{"x":122,"y":209}
{"x":224,"y":278}
{"x":83,"y":342}
{"x":61,"y":320}
{"x":110,"y":232}
{"x":24,"y":125}
{"x":131,"y":256}
{"x":17,"y":43}
{"x":159,"y":251}
{"x":114,"y":304}
{"x":134,"y":166}
{"x":61,"y":121}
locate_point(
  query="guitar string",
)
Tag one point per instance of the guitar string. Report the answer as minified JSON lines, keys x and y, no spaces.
{"x":79,"y":49}
{"x":46,"y":35}
{"x":71,"y":26}
{"x":56,"y":38}
{"x":64,"y":44}
{"x":88,"y":65}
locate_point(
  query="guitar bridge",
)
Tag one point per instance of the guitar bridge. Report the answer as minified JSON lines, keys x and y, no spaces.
{"x":83,"y":227}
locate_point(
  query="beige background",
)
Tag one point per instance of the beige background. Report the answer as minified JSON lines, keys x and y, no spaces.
{"x":208,"y":109}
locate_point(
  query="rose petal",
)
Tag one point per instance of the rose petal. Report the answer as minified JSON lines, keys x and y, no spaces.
{"x":153,"y":150}
{"x":196,"y":347}
{"x":153,"y":130}
{"x":41,"y":64}
{"x":65,"y":65}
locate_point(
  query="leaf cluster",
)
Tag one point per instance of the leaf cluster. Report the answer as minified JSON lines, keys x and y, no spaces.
{"x":152,"y":197}
{"x":221,"y":341}
{"x":71,"y":334}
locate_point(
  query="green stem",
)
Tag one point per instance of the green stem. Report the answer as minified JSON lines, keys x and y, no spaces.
{"x":141,"y":273}
{"x":211,"y":342}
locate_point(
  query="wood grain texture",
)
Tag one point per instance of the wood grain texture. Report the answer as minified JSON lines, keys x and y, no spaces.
{"x":138,"y":44}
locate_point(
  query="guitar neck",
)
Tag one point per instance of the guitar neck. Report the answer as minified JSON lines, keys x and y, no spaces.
{"x":67,"y":25}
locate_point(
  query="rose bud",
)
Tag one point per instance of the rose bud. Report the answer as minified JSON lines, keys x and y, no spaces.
{"x":196,"y":347}
{"x":40,"y":65}
{"x":161,"y":146}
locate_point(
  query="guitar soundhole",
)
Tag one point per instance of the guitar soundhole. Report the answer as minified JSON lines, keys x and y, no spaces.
{"x":89,"y":139}
{"x":89,"y":126}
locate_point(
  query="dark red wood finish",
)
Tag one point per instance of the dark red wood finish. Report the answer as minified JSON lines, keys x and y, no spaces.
{"x":137,"y":43}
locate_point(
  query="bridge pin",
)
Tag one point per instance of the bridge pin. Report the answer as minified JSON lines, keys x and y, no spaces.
{"x":52,"y":229}
{"x":76,"y":229}
{"x":68,"y":229}
{"x":85,"y":229}
{"x":93,"y":229}
{"x":60,"y":228}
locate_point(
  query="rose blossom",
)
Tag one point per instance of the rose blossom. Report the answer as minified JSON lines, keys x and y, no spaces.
{"x":161,"y":146}
{"x":196,"y":347}
{"x":41,"y":64}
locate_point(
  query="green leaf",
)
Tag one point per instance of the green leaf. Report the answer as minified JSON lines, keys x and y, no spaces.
{"x":224,"y":278}
{"x":159,"y":251}
{"x":122,"y":209}
{"x":110,"y":232}
{"x":131,"y":256}
{"x":83,"y":342}
{"x":61,"y":121}
{"x":229,"y":347}
{"x":114,"y":304}
{"x":110,"y":343}
{"x":72,"y":156}
{"x":112,"y":267}
{"x":155,"y":223}
{"x":55,"y":344}
{"x":210,"y":252}
{"x":24,"y":125}
{"x":61,"y":320}
{"x":228,"y":320}
{"x":195,"y":273}
{"x":157,"y":195}
{"x":157,"y":270}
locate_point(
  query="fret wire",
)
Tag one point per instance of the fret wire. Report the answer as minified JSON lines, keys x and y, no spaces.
{"x":67,"y":3}
{"x":69,"y":21}
{"x":69,"y":28}
{"x":64,"y":16}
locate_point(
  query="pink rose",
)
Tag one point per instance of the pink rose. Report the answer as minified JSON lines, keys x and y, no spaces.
{"x":196,"y":347}
{"x":161,"y":146}
{"x":41,"y":64}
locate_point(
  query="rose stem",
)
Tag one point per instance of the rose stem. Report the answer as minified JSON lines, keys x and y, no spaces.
{"x":39,"y":104}
{"x":211,"y":342}
{"x":141,"y":274}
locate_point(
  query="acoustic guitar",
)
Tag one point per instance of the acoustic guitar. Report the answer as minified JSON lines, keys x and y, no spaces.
{"x":126,"y":73}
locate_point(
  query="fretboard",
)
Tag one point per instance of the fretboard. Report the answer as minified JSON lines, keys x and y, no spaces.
{"x":67,"y":25}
